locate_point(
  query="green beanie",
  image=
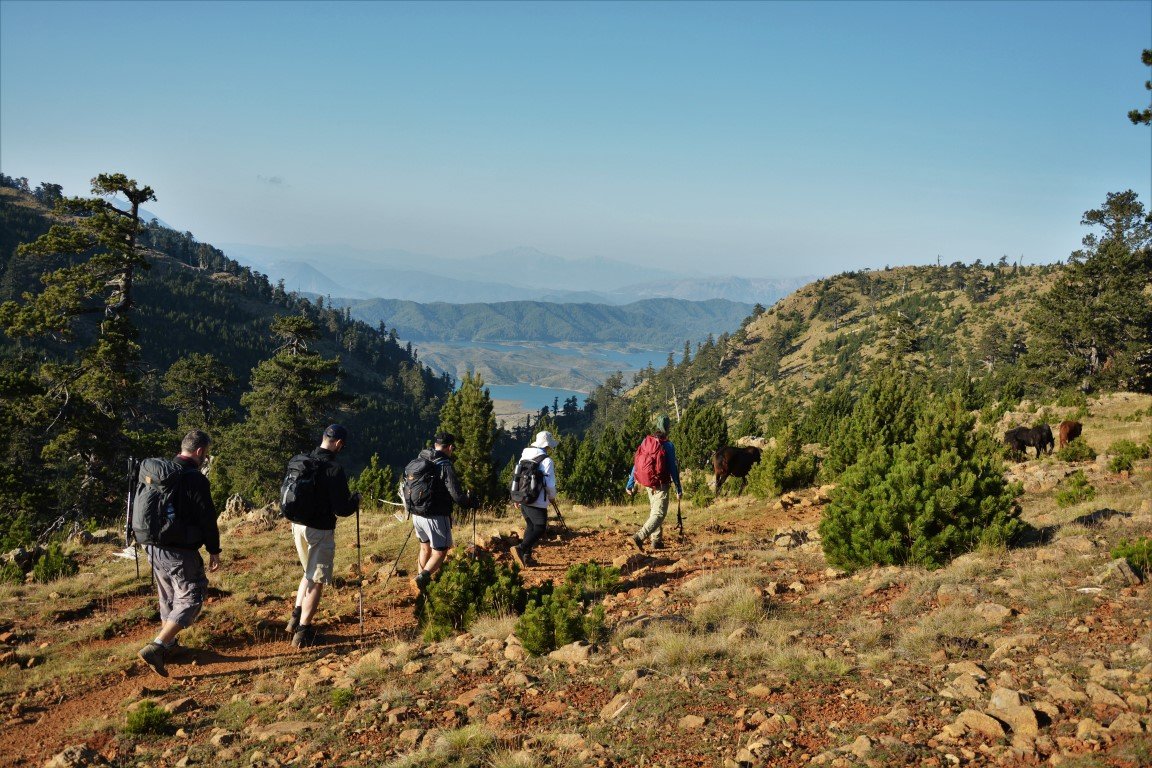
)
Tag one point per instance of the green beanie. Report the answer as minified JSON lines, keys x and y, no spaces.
{"x":661,"y":423}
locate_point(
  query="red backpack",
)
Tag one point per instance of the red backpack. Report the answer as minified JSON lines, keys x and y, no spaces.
{"x":651,"y":464}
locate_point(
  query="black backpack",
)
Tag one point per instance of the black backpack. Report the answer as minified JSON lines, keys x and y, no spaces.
{"x":527,"y":481}
{"x":155,"y":517}
{"x":420,"y":476}
{"x":299,"y":491}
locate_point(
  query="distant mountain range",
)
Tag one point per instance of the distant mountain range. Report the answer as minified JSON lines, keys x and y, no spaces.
{"x":654,"y":323}
{"x":519,"y":274}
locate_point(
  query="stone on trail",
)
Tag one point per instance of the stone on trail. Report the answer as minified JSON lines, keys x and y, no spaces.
{"x":986,"y":725}
{"x":76,"y":756}
{"x":574,"y":653}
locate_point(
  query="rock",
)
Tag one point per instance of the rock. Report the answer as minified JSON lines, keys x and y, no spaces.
{"x":968,"y":668}
{"x":574,"y":653}
{"x":221,"y":738}
{"x":1100,"y":695}
{"x":993,"y":612}
{"x":761,"y":691}
{"x":410,"y":737}
{"x":1021,"y":719}
{"x":1003,"y":698}
{"x":182,"y":704}
{"x":282,"y":728}
{"x":616,"y":707}
{"x":1089,"y":730}
{"x":569,"y":742}
{"x":1062,"y":691}
{"x":515,"y":652}
{"x":76,"y":756}
{"x":861,"y":748}
{"x":964,"y":687}
{"x":1127,"y":723}
{"x":949,"y":593}
{"x":983,"y":724}
{"x":692,"y":723}
{"x":1117,"y":573}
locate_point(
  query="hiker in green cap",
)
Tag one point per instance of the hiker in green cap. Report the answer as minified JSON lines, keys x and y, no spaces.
{"x":654,"y":468}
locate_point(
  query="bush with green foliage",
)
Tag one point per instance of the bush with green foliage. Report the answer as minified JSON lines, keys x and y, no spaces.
{"x":1125,"y":453}
{"x":342,"y":698}
{"x":465,"y":588}
{"x":697,"y":490}
{"x":1138,"y":553}
{"x":1076,"y":450}
{"x":925,"y":500}
{"x":53,"y":564}
{"x":374,"y":483}
{"x":558,"y":616}
{"x":148,"y":717}
{"x":783,"y":468}
{"x":10,"y":573}
{"x":1074,"y":489}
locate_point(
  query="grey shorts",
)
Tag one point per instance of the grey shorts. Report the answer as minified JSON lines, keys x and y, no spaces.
{"x":434,"y":531}
{"x":180,"y":583}
{"x":317,"y":550}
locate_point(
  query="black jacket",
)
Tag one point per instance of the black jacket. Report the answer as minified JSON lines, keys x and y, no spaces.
{"x":448,"y":490}
{"x":335,"y":499}
{"x":195,"y":508}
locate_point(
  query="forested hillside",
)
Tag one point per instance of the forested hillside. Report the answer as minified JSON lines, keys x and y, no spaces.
{"x":660,"y":322}
{"x":198,"y":343}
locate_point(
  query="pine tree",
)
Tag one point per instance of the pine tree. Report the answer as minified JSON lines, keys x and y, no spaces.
{"x":293,"y":395}
{"x":195,"y":385}
{"x":924,"y":501}
{"x":468,"y":414}
{"x":883,"y":415}
{"x":699,"y":434}
{"x":376,"y":484}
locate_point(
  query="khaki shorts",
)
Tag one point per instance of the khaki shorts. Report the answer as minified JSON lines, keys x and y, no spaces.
{"x":317,"y":550}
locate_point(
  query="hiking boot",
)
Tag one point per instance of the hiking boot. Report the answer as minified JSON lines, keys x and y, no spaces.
{"x":637,"y":543}
{"x":293,"y":623}
{"x":657,"y":545}
{"x":153,"y":655}
{"x":420,"y":582}
{"x":519,"y":557}
{"x":305,"y":637}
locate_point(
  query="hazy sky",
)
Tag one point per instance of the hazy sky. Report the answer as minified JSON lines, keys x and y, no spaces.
{"x":766,"y":139}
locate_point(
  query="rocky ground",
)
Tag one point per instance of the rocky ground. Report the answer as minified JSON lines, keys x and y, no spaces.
{"x":734,"y":646}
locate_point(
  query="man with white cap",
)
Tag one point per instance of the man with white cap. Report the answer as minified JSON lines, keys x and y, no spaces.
{"x":534,"y":507}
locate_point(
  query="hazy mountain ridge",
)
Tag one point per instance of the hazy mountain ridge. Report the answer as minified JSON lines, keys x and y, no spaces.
{"x":518,"y":274}
{"x":666,"y":323}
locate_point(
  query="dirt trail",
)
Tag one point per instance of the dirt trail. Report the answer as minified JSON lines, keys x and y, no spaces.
{"x":37,"y":730}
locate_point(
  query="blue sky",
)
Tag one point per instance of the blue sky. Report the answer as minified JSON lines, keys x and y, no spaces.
{"x":765,"y":139}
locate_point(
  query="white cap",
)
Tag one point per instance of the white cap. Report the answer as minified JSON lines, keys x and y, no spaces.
{"x":544,"y":440}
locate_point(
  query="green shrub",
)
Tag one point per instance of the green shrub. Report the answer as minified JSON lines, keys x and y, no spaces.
{"x":696,"y":490}
{"x":1137,"y":552}
{"x":465,"y":588}
{"x":558,"y":616}
{"x":924,"y":501}
{"x":1076,"y":450}
{"x":147,"y":717}
{"x":342,"y":698}
{"x":783,"y":468}
{"x":1125,"y":453}
{"x":1074,"y":489}
{"x":53,"y":564}
{"x":10,"y":573}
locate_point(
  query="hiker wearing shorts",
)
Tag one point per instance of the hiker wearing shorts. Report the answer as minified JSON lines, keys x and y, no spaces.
{"x":434,"y":529}
{"x":316,"y":538}
{"x":657,"y":475}
{"x":178,"y":570}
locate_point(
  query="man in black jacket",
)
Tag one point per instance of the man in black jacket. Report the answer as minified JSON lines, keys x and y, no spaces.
{"x":316,"y":540}
{"x":179,"y":570}
{"x":434,"y":528}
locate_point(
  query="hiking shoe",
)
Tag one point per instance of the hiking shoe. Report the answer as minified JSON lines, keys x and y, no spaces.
{"x":637,"y":543}
{"x":657,"y":545}
{"x":305,"y":637}
{"x":422,"y":580}
{"x":293,"y":624}
{"x":519,"y":557}
{"x":153,"y":655}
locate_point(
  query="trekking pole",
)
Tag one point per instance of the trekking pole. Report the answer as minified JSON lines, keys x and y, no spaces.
{"x":129,"y":534}
{"x":360,"y":574}
{"x":679,"y":518}
{"x":560,"y":517}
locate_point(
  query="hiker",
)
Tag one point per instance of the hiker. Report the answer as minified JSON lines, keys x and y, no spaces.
{"x":433,"y":522}
{"x":315,"y":536}
{"x":535,"y":510}
{"x":655,"y":468}
{"x":172,"y":525}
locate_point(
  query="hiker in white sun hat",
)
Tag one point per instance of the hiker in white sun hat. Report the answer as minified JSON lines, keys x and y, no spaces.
{"x":534,"y":488}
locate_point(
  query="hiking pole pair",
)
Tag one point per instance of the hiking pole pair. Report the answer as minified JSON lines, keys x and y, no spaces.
{"x":560,"y":517}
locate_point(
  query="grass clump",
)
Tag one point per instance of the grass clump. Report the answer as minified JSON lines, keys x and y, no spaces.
{"x":1138,"y":553}
{"x":1075,"y":489}
{"x":148,"y":717}
{"x":460,"y":748}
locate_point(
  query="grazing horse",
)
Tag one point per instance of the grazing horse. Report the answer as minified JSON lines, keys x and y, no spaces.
{"x":1019,"y":439}
{"x":1069,"y":431}
{"x":733,"y":461}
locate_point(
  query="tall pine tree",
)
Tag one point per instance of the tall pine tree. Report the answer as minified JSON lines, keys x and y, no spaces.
{"x":469,"y":415}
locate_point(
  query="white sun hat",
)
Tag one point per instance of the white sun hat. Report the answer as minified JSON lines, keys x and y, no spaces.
{"x":545,"y":440}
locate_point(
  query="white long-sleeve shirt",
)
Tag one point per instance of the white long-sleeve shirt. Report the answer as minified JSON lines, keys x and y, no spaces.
{"x":548,"y":467}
